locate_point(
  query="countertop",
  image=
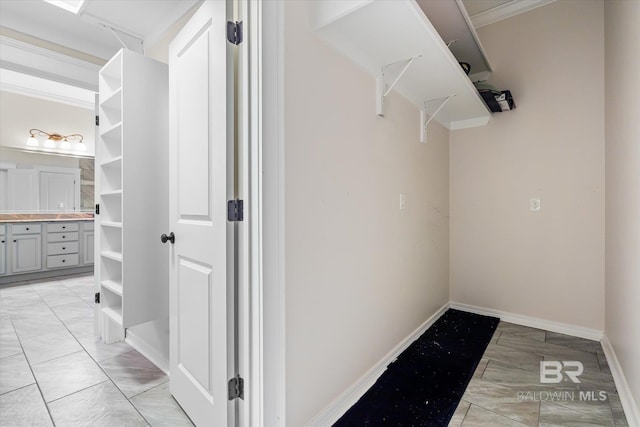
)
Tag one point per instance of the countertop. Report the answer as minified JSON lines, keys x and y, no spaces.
{"x":46,"y":217}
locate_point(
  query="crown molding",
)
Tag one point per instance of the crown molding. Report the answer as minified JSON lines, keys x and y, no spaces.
{"x":46,"y":95}
{"x":36,"y":61}
{"x":29,"y":85}
{"x":507,"y":10}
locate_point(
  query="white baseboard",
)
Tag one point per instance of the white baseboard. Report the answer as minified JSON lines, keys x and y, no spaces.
{"x":348,"y":398}
{"x":533,"y":322}
{"x":147,"y":351}
{"x":626,"y":397}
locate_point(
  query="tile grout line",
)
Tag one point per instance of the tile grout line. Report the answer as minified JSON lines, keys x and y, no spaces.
{"x":565,"y":346}
{"x":82,"y":350}
{"x":465,"y":413}
{"x":35,"y":379}
{"x":77,"y":391}
{"x":495,"y":413}
{"x":98,"y":365}
{"x":119,"y":389}
{"x":19,"y":388}
{"x":485,"y":366}
{"x":29,"y":363}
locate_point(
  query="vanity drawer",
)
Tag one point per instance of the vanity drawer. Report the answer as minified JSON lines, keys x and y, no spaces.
{"x":62,"y":237}
{"x":26,"y":228}
{"x":62,"y":227}
{"x":62,"y":248}
{"x":69,"y":260}
{"x":3,"y":230}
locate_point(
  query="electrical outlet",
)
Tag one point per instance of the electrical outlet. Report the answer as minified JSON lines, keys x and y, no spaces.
{"x":534,"y":205}
{"x":403,"y":201}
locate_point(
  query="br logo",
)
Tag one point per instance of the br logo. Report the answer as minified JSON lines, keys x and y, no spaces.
{"x":551,"y":371}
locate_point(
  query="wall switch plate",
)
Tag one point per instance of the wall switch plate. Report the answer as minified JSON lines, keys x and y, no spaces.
{"x":403,"y":201}
{"x":534,"y":205}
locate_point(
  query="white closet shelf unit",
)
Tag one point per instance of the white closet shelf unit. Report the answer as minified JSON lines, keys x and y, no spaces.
{"x":131,"y":180}
{"x":395,"y":42}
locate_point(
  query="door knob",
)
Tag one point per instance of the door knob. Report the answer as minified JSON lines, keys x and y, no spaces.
{"x":171,"y":237}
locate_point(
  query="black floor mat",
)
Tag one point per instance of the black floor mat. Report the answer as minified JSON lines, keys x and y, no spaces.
{"x":424,"y":385}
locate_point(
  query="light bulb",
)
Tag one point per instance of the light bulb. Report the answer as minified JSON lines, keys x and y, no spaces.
{"x":80,"y":147}
{"x":66,"y":145}
{"x":32,"y":141}
{"x":49,"y":143}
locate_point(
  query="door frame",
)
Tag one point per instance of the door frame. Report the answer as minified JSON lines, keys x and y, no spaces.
{"x":262,"y":257}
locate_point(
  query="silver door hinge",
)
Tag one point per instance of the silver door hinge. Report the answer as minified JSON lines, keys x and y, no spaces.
{"x":236,"y":388}
{"x":235,"y":210}
{"x":234,"y":32}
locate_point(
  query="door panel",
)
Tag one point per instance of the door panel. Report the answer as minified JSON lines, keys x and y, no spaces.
{"x":57,"y":191}
{"x":201,"y":181}
{"x":23,"y":189}
{"x":193,"y":126}
{"x":88,"y":247}
{"x":194,"y":330}
{"x":26,"y":253}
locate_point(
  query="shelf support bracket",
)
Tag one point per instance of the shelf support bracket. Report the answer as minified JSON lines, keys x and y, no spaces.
{"x":137,"y":44}
{"x":382,"y":91}
{"x":425,"y":118}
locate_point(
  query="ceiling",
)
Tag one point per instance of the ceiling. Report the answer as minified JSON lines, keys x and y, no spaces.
{"x":476,"y":6}
{"x":144,"y":21}
{"x":37,"y":38}
{"x":485,"y":12}
{"x":135,"y":22}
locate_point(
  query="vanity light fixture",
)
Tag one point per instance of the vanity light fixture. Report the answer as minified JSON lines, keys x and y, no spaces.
{"x":52,"y":138}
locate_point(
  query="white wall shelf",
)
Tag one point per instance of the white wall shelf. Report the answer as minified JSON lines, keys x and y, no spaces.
{"x":114,"y":313}
{"x":114,"y":162}
{"x":113,"y":286}
{"x":453,"y":23}
{"x":112,"y":224}
{"x":111,"y":193}
{"x":116,"y":256}
{"x":111,"y":131}
{"x":114,"y":100}
{"x":378,"y":33}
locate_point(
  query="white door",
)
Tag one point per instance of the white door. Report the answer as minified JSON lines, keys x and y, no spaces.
{"x":201,"y":182}
{"x":58,"y":191}
{"x":23,"y":189}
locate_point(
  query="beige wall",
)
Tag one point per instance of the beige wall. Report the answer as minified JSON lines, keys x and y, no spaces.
{"x":159,"y":50}
{"x":19,"y":113}
{"x":622,"y":102}
{"x":547,"y":264}
{"x":361,"y":274}
{"x":26,"y":160}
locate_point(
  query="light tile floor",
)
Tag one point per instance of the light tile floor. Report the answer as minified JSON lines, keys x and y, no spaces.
{"x":53,"y":371}
{"x":506,"y":388}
